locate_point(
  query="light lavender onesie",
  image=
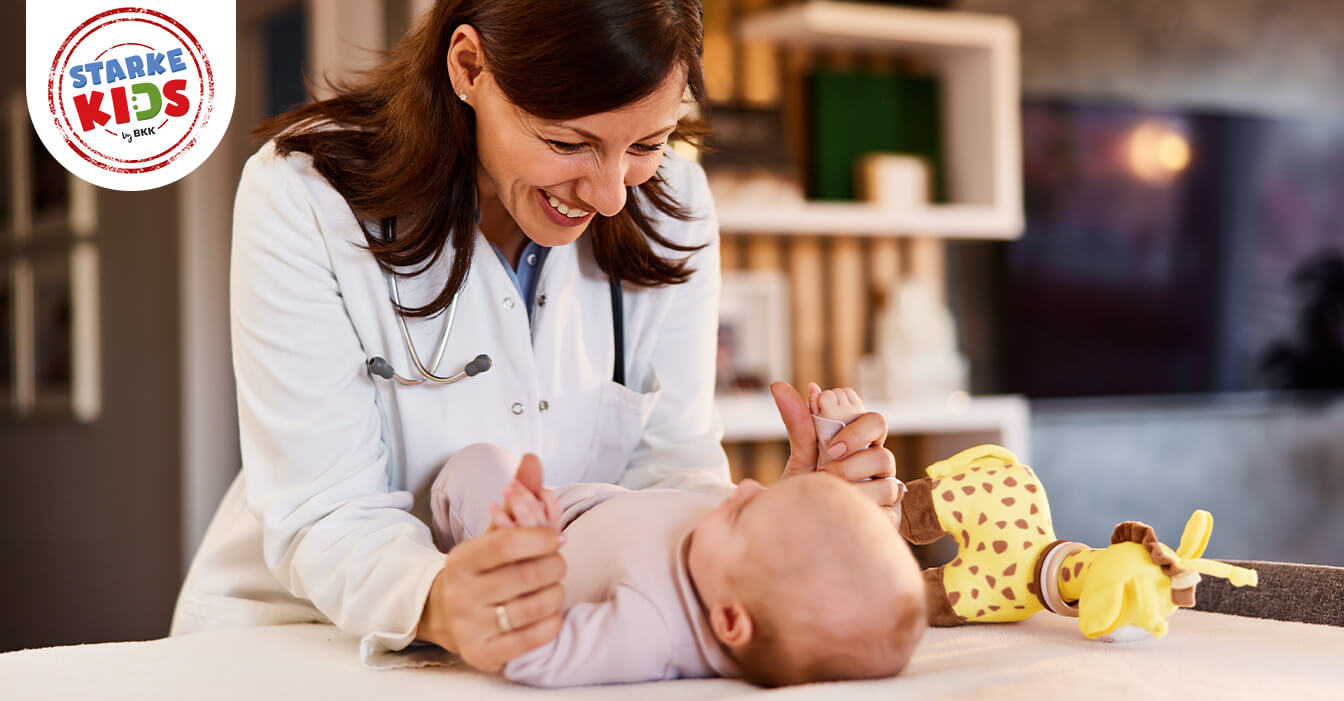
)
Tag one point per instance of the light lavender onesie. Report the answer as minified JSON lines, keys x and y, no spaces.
{"x":632,"y":613}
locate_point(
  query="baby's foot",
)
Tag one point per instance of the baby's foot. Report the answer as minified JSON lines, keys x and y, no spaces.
{"x":841,"y":404}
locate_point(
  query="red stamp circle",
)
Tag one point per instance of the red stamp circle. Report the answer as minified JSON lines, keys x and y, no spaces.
{"x":55,"y":89}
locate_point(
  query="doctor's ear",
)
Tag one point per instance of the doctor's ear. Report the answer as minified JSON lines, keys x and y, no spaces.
{"x":731,"y":624}
{"x":466,"y":60}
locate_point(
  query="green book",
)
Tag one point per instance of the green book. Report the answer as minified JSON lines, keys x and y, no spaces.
{"x":854,"y":113}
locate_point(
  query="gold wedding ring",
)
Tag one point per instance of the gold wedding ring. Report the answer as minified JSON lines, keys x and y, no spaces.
{"x":503,"y":616}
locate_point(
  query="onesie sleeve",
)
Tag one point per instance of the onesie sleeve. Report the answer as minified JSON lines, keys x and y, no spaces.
{"x":335,"y":531}
{"x":682,"y":444}
{"x":620,"y":640}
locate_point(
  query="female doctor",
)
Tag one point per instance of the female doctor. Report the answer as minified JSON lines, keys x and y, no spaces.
{"x":410,"y":275}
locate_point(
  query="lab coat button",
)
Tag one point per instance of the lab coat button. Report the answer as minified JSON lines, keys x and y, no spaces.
{"x":508,"y":303}
{"x":544,"y":405}
{"x":517,"y":407}
{"x":541,"y":301}
{"x":531,"y":259}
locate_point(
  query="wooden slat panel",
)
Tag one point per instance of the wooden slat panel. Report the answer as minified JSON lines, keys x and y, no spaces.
{"x":721,"y":55}
{"x":769,"y":461}
{"x":806,"y":269}
{"x":739,"y":465}
{"x":884,"y":271}
{"x":926,"y":261}
{"x":759,"y":77}
{"x":731,"y":252}
{"x":764,"y":253}
{"x":847,"y":307}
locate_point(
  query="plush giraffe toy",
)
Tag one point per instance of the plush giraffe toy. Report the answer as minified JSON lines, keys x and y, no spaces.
{"x":1009,"y":565}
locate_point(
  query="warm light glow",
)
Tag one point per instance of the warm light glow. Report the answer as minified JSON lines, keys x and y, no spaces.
{"x":1173,"y":152}
{"x":1156,"y":152}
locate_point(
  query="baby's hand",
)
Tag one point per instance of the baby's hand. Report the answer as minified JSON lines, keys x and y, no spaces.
{"x":522,"y":508}
{"x":841,"y":404}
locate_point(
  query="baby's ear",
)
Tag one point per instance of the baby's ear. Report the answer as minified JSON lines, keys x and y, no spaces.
{"x":731,"y":623}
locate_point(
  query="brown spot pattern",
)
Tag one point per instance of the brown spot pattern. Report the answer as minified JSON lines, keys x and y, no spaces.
{"x":1009,"y":482}
{"x":990,"y":578}
{"x":965,"y":537}
{"x":1001,"y":524}
{"x":952,"y":597}
{"x":1064,"y":574}
{"x":1034,"y":510}
{"x":1008,"y":501}
{"x":968,"y":490}
{"x":982,"y":520}
{"x":989,"y":488}
{"x":959,"y":476}
{"x":1040,"y":530}
{"x":1000,"y":546}
{"x":1031,"y":588}
{"x":992,"y":607}
{"x":1021,"y":523}
{"x":975,"y":569}
{"x":1010,"y":570}
{"x":1026,"y":545}
{"x":956,"y":515}
{"x":981,"y":547}
{"x":1077,"y":568}
{"x":1030,"y":488}
{"x":975,"y":593}
{"x":979,"y":613}
{"x":948,"y":496}
{"x":1009,"y":594}
{"x":1019,"y":606}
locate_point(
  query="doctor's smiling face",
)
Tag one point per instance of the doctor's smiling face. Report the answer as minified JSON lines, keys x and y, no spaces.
{"x":550,"y":177}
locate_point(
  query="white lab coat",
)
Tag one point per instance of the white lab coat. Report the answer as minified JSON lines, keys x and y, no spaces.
{"x":327,"y":520}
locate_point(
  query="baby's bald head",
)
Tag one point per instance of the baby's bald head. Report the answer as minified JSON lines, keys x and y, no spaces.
{"x":831,"y":588}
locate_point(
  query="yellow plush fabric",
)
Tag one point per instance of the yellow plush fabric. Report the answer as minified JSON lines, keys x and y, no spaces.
{"x":996,"y":510}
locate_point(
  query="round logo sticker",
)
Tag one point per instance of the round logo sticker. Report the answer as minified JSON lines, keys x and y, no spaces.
{"x":130,"y":90}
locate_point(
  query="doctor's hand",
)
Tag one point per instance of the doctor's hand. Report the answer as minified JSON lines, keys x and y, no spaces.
{"x":517,"y":568}
{"x":858,"y":450}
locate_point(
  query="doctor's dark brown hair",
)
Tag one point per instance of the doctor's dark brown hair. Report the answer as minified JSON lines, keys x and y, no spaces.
{"x":398,"y":143}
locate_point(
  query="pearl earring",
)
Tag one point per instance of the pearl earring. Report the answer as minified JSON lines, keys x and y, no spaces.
{"x":463,"y":96}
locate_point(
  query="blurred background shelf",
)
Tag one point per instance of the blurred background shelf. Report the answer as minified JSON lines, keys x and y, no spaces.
{"x":861,"y":219}
{"x":974,"y":60}
{"x":920,"y":431}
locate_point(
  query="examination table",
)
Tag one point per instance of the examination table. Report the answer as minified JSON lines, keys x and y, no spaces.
{"x":1204,"y":655}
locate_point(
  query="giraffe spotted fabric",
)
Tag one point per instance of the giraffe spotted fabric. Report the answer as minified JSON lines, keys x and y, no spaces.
{"x":997,"y":512}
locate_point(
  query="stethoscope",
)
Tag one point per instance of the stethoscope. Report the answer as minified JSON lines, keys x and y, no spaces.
{"x":378,"y":366}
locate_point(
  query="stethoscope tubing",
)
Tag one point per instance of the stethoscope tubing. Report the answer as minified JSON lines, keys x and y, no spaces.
{"x":426,"y":374}
{"x":379,"y":367}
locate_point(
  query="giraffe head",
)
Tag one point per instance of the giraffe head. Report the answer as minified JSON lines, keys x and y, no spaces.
{"x":1139,"y":582}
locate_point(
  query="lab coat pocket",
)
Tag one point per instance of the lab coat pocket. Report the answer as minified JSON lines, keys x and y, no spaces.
{"x":622,"y":415}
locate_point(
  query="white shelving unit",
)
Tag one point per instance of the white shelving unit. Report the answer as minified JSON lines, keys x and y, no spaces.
{"x":1004,"y":420}
{"x":976,"y":59}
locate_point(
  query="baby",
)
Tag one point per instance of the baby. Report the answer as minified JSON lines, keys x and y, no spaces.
{"x":805,"y":581}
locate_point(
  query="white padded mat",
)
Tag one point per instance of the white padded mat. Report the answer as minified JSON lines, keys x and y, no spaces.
{"x":1204,"y":656}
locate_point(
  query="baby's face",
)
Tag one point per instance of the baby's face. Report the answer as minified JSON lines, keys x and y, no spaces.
{"x":740,"y":521}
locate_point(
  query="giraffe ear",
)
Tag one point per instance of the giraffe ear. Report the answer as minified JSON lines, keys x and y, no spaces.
{"x":1196,"y":536}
